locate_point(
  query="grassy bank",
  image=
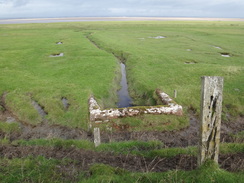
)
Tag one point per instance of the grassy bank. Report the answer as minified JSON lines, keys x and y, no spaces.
{"x":49,"y":169}
{"x":29,"y":73}
{"x":46,"y":170}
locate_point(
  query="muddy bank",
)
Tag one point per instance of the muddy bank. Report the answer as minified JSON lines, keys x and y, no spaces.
{"x":42,"y":130}
{"x":83,"y":159}
{"x":178,"y":138}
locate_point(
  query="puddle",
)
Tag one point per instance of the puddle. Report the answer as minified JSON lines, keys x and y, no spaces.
{"x":189,"y":50}
{"x":157,"y":37}
{"x":59,"y":42}
{"x":65,"y":103}
{"x":191,"y":62}
{"x":39,"y":109}
{"x":10,"y":120}
{"x":57,"y":55}
{"x":225,"y":54}
{"x":123,"y":94}
{"x":217,"y":47}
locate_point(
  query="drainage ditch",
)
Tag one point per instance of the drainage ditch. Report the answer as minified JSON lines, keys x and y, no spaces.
{"x":124,"y":99}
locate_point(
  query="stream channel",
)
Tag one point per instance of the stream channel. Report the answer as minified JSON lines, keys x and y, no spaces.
{"x":124,"y":98}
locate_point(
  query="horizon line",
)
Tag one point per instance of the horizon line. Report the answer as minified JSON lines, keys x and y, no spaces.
{"x":112,"y":18}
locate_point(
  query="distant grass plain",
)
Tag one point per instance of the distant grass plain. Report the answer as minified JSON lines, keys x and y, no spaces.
{"x":190,"y":49}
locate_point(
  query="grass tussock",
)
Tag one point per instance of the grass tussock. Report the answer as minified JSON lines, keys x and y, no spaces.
{"x":9,"y":127}
{"x":149,"y":149}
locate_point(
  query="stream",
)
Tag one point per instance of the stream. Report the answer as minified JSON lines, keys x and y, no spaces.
{"x":123,"y":94}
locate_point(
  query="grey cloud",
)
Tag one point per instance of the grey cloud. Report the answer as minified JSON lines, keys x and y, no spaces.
{"x":15,"y":3}
{"x":18,"y":3}
{"x":59,"y":8}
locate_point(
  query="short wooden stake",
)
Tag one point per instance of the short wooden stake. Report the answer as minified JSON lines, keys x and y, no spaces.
{"x":175,"y":93}
{"x":211,"y":107}
{"x":97,"y":138}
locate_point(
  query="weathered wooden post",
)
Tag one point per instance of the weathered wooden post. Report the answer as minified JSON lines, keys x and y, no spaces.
{"x":211,"y":107}
{"x":97,"y":138}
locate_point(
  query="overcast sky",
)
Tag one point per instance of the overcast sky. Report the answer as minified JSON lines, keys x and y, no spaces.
{"x":115,"y":8}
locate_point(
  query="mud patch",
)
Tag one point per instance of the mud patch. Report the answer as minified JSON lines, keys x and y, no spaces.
{"x":47,"y":131}
{"x":225,"y":54}
{"x":83,"y":159}
{"x":158,"y":37}
{"x":57,"y":55}
{"x":190,"y":62}
{"x":177,"y":138}
{"x":10,"y":119}
{"x":65,"y":103}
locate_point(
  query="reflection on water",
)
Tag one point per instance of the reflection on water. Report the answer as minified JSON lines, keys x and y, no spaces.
{"x":65,"y":103}
{"x":57,"y":55}
{"x":39,"y":109}
{"x":123,"y":94}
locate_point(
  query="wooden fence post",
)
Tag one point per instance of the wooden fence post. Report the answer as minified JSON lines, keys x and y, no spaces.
{"x":211,"y":107}
{"x":97,"y":138}
{"x":175,"y":93}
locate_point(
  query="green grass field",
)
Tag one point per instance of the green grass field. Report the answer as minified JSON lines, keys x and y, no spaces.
{"x":90,"y":66}
{"x":28,"y":73}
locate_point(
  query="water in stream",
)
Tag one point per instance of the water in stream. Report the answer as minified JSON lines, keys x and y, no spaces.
{"x":123,"y":94}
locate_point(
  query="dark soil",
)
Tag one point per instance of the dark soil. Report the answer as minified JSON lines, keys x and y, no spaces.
{"x":83,"y":159}
{"x":178,"y":138}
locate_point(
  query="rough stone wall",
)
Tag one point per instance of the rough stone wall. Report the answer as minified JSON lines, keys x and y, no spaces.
{"x":99,"y":115}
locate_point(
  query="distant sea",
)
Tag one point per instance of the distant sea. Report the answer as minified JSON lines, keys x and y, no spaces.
{"x":83,"y":19}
